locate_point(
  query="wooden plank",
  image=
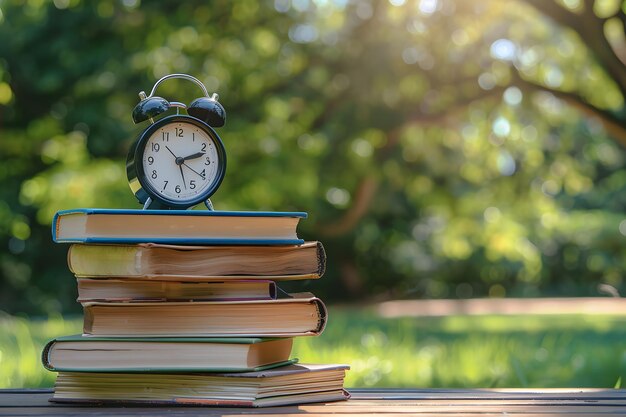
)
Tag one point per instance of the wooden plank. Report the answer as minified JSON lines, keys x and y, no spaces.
{"x":207,"y":412}
{"x":390,"y":403}
{"x":17,"y":399}
{"x":550,"y":393}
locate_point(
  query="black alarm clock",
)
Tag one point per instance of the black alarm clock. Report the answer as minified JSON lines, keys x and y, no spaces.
{"x":178,"y":160}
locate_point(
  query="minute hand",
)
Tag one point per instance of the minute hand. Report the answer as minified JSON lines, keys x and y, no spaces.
{"x":194,"y":156}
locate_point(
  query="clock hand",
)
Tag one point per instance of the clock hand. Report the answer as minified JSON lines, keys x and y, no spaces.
{"x":194,"y":156}
{"x":193,"y":170}
{"x":182,"y":174}
{"x":168,"y":148}
{"x":179,"y":161}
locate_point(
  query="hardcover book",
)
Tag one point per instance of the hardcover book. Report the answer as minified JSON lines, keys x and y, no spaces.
{"x":293,"y":384}
{"x":133,"y":290}
{"x":191,"y":354}
{"x":198,"y":263}
{"x":300,"y":315}
{"x":185,"y":227}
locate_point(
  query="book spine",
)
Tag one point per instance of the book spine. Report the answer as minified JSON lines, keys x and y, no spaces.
{"x":109,"y":260}
{"x":322,"y":315}
{"x":321,"y":259}
{"x":55,"y":226}
{"x":45,"y":355}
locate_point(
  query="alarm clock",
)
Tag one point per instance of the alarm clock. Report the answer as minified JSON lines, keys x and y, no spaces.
{"x":178,"y":160}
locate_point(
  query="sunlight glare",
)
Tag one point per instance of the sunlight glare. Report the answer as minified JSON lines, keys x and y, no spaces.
{"x":512,"y":96}
{"x":282,"y":6}
{"x":501,"y":127}
{"x":506,"y":164}
{"x":428,"y":6}
{"x":503,"y":49}
{"x":487,"y":81}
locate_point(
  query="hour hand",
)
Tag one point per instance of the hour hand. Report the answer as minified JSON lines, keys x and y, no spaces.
{"x":193,"y":156}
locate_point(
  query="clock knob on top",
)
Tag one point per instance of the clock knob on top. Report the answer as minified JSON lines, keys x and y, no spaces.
{"x":209,"y":110}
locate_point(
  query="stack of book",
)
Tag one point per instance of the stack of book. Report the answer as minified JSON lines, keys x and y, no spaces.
{"x":183,"y":307}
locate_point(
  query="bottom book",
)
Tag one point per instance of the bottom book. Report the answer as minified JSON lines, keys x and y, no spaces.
{"x":287,"y":385}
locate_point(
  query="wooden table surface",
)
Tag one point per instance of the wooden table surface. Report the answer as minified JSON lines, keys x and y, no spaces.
{"x":364,"y":402}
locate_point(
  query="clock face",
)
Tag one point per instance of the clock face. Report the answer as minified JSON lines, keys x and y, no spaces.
{"x":181,"y":162}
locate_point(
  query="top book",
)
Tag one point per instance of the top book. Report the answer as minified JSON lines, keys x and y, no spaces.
{"x":186,"y":227}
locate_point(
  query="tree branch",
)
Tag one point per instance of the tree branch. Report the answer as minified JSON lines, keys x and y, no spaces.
{"x":614,"y":126}
{"x":591,"y":30}
{"x":557,"y":13}
{"x":362,"y":201}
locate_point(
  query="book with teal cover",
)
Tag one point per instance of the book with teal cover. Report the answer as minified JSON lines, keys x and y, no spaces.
{"x":183,"y":227}
{"x":130,"y":354}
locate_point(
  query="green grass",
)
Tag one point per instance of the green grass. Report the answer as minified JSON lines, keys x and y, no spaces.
{"x":455,"y":351}
{"x":21,"y":341}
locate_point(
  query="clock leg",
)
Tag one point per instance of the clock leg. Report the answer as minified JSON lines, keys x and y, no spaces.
{"x":151,"y":204}
{"x":147,"y":204}
{"x":208,"y":204}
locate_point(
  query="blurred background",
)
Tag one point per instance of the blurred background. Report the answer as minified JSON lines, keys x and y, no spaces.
{"x":442,"y":148}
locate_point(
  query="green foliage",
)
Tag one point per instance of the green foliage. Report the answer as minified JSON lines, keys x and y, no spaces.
{"x":430,"y":142}
{"x":471,"y":351}
{"x":21,"y":343}
{"x":454,"y":351}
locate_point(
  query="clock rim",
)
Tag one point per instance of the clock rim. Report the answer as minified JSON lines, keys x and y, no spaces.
{"x":138,"y":181}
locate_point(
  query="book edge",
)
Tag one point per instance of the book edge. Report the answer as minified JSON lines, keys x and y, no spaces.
{"x":218,"y":213}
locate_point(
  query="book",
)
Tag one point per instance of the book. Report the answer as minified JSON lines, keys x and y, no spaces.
{"x":293,"y":384}
{"x":186,"y":227}
{"x":301,"y":315}
{"x":133,"y":290}
{"x":99,"y":354}
{"x":198,"y":263}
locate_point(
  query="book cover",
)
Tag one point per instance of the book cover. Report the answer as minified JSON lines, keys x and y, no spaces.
{"x":184,"y":227}
{"x":79,"y":353}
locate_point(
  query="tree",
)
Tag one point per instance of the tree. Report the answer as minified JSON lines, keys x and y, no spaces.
{"x":441,"y":148}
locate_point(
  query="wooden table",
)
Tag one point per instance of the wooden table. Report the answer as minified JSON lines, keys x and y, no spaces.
{"x":365,"y":402}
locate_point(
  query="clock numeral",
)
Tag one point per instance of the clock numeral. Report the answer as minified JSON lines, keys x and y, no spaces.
{"x":166,"y":136}
{"x":208,"y":161}
{"x":155,"y":147}
{"x":192,"y":184}
{"x":154,"y":174}
{"x":177,"y":189}
{"x":193,"y":137}
{"x":203,"y":147}
{"x":179,"y":132}
{"x":165,"y":185}
{"x":203,"y":174}
{"x":150,"y":160}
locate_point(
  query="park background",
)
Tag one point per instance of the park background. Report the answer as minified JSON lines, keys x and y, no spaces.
{"x":443,"y":150}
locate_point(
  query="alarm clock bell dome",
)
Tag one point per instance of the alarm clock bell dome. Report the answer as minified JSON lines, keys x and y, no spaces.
{"x":149,"y":108}
{"x":208,"y":110}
